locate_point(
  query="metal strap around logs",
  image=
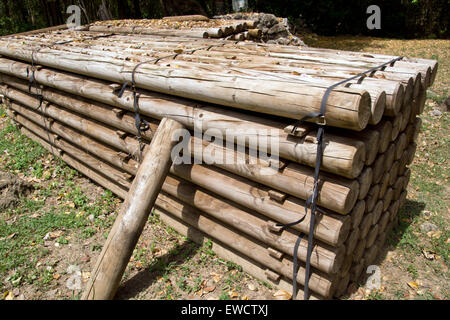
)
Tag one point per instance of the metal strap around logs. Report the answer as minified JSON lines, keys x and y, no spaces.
{"x":141,"y":124}
{"x":311,"y":202}
{"x":33,"y":82}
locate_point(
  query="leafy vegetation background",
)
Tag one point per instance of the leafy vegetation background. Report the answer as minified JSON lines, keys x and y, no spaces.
{"x":400,"y":18}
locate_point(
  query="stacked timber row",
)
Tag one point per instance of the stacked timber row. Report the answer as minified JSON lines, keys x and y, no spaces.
{"x":65,"y":90}
{"x":238,"y":30}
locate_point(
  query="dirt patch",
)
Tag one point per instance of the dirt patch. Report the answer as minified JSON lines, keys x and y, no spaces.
{"x":12,"y":189}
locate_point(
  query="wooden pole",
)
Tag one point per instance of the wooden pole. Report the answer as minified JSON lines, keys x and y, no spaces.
{"x":126,"y":230}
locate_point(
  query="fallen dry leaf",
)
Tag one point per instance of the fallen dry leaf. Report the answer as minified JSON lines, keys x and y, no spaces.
{"x":282,"y":295}
{"x":10,"y":296}
{"x":244,"y":298}
{"x":413,"y":285}
{"x":428,"y":254}
{"x":252,"y":287}
{"x":12,"y":235}
{"x":233,"y":294}
{"x":434,"y":234}
{"x":56,"y":276}
{"x":209,"y":289}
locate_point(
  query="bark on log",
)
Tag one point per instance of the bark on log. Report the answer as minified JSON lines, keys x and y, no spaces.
{"x":341,"y":156}
{"x":294,"y":179}
{"x":332,"y":229}
{"x":134,"y":212}
{"x":347,"y":108}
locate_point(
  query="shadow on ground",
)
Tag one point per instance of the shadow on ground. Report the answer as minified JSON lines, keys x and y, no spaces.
{"x":407,"y":215}
{"x":145,"y":278}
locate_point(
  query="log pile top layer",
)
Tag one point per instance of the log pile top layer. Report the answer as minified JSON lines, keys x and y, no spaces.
{"x":258,"y":79}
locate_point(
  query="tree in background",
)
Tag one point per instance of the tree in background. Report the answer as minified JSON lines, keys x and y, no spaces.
{"x":400,"y":18}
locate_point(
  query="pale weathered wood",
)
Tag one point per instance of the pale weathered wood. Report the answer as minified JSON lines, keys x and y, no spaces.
{"x":192,"y":17}
{"x":286,"y":212}
{"x":320,"y":283}
{"x":295,"y":180}
{"x":342,"y":156}
{"x":235,"y":91}
{"x":122,"y":238}
{"x":250,"y":266}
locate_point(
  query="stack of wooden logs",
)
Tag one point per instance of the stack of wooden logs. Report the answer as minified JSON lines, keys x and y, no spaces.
{"x":65,"y":96}
{"x":238,"y":31}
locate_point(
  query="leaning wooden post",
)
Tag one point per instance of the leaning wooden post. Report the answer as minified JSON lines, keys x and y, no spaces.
{"x":122,"y":239}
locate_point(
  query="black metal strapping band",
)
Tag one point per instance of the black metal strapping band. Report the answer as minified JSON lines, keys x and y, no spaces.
{"x":141,"y":124}
{"x":32,"y":82}
{"x":38,"y":94}
{"x":311,"y":202}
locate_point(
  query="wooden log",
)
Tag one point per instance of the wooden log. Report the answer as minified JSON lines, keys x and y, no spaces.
{"x":371,"y":254}
{"x":384,"y":220}
{"x":356,"y":270}
{"x":389,"y":195}
{"x":417,"y":124}
{"x":357,"y":213}
{"x":389,"y":157}
{"x":377,"y":211}
{"x":352,"y":241}
{"x":402,"y":198}
{"x":250,"y":266}
{"x":365,"y":181}
{"x":242,"y":220}
{"x":192,"y":17}
{"x":193,"y":33}
{"x":359,"y":250}
{"x":384,"y":184}
{"x":372,"y":197}
{"x":349,"y":161}
{"x":384,"y":129}
{"x":48,"y":29}
{"x":342,"y":286}
{"x":339,"y":197}
{"x":264,"y":49}
{"x":394,"y":209}
{"x":326,"y":258}
{"x":257,"y":198}
{"x":325,"y":223}
{"x":378,"y":168}
{"x":400,"y":145}
{"x":92,"y":174}
{"x":403,"y":162}
{"x":396,"y":124}
{"x":374,"y":88}
{"x":320,"y":283}
{"x":129,"y":224}
{"x":372,"y":236}
{"x":398,"y":186}
{"x":255,"y":33}
{"x":406,"y":116}
{"x":365,"y":225}
{"x":370,"y":138}
{"x":393,"y":173}
{"x":294,"y":103}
